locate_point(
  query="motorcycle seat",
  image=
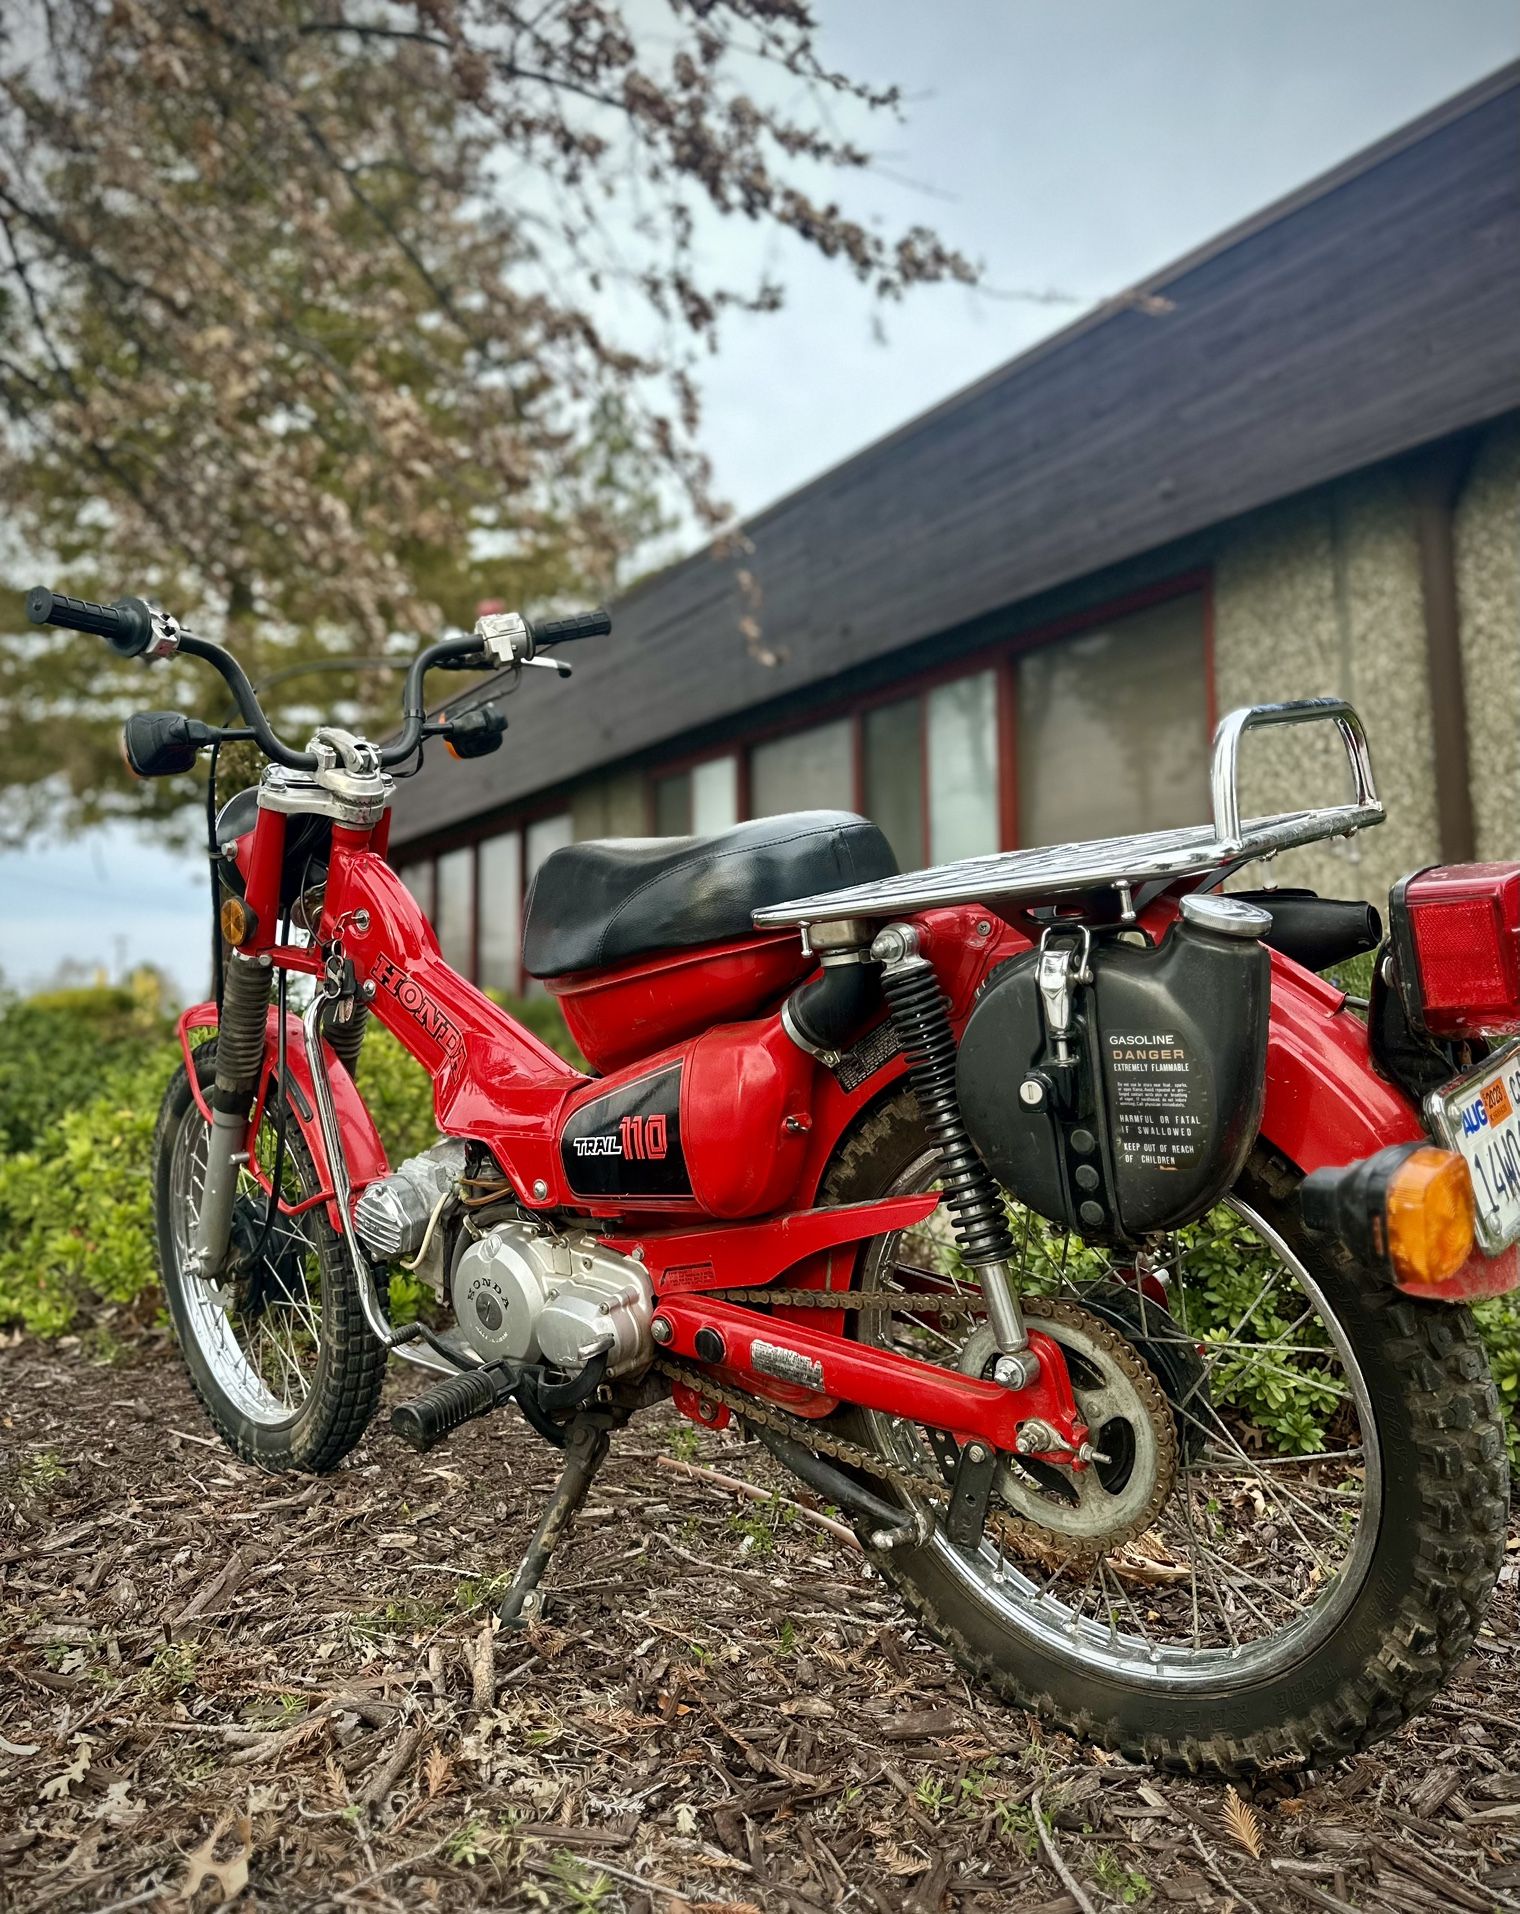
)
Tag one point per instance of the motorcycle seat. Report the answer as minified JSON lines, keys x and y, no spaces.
{"x":610,"y":899}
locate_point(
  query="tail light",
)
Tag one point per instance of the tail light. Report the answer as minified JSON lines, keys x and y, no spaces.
{"x":1456,"y":942}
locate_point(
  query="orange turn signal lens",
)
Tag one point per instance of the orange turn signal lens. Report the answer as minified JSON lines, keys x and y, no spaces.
{"x":1428,"y":1212}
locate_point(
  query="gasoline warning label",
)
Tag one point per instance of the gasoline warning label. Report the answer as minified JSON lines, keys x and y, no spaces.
{"x":1153,"y":1099}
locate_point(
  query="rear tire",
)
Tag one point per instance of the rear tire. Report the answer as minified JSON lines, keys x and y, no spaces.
{"x":1415,"y":1592}
{"x":304,"y":1404}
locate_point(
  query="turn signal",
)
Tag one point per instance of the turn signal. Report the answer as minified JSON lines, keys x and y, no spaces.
{"x":1428,"y":1209}
{"x":239,"y":922}
{"x":1408,"y":1210}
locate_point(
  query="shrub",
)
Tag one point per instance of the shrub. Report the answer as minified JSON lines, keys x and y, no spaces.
{"x":60,"y":1050}
{"x":82,"y":1075}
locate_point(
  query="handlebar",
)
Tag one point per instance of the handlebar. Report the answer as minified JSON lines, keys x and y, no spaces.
{"x":132,"y":628}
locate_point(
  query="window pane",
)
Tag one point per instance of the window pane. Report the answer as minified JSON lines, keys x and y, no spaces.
{"x":543,"y":835}
{"x":456,"y":872}
{"x":672,"y":805}
{"x":811,"y":770}
{"x":1113,"y":728}
{"x":501,"y":912}
{"x":715,"y":796}
{"x":963,"y":769}
{"x":418,"y":878}
{"x":894,"y":778}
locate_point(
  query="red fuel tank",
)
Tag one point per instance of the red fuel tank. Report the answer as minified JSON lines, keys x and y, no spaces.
{"x":633,"y":1010}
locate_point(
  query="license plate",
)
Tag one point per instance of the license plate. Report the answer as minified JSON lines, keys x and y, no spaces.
{"x":1479,"y":1117}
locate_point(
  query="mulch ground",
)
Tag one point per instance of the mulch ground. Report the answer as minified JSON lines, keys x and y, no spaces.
{"x":215,"y":1683}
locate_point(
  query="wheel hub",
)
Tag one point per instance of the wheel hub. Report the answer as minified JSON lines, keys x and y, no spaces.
{"x":1133,"y":1432}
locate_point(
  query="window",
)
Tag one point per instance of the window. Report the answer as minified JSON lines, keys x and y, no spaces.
{"x":454,"y":919}
{"x":892,"y":777}
{"x":544,"y":836}
{"x":807,"y":771}
{"x":501,"y":896}
{"x":541,"y":839}
{"x":963,"y":768}
{"x":950,"y":736}
{"x":702,"y":800}
{"x":1113,"y":728}
{"x":418,"y":878}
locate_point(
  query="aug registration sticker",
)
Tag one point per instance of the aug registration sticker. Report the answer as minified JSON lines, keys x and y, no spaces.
{"x":1479,"y":1116}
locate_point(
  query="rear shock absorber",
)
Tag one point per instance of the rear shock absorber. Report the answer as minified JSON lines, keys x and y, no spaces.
{"x":971,"y":1193}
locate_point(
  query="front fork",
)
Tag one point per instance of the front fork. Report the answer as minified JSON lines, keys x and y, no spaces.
{"x":240,"y":1045}
{"x":971,"y":1194}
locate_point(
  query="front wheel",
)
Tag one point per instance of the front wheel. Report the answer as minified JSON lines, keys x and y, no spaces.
{"x":1299,"y":1514}
{"x":278,"y":1349}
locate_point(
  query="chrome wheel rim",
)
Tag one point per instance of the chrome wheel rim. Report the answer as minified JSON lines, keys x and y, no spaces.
{"x":263,"y":1360}
{"x":1257,"y":1554}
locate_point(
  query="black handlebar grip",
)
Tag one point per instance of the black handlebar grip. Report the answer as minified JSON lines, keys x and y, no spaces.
{"x":583,"y":624}
{"x":126,"y":626}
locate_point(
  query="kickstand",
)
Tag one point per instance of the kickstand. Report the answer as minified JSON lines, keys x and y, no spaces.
{"x":586,"y":1448}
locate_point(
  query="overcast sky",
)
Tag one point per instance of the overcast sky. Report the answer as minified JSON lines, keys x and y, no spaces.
{"x":1071,"y":146}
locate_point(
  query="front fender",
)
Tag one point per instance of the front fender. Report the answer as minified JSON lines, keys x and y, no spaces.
{"x":363,"y":1151}
{"x":1326,"y":1105}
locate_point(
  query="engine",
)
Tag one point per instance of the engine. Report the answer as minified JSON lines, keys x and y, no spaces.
{"x":394,"y":1217}
{"x":524,"y":1293}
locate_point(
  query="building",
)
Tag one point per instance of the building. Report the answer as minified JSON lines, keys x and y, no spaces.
{"x":1287,"y":465}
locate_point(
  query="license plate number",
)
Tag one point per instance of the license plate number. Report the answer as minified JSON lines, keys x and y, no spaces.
{"x":1479,"y":1117}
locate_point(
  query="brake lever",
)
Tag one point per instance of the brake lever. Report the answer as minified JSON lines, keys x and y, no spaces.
{"x":550,"y":664}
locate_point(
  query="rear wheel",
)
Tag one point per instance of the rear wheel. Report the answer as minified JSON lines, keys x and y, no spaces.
{"x":1299,"y":1514}
{"x":278,"y":1349}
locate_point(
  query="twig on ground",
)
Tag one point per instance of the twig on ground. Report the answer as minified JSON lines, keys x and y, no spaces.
{"x":1053,"y":1854}
{"x":754,"y":1493}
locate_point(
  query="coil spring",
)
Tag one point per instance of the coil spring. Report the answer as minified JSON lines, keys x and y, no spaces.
{"x":971,"y":1194}
{"x":346,"y":1038}
{"x":240,"y":1034}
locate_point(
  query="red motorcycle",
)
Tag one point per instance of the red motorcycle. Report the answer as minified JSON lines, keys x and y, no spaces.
{"x":1045,"y":1212}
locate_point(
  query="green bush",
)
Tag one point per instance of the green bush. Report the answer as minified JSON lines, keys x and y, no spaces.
{"x":82,"y":1075}
{"x":60,"y":1050}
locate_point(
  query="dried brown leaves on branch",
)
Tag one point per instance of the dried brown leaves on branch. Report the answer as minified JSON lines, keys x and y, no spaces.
{"x":322,"y":321}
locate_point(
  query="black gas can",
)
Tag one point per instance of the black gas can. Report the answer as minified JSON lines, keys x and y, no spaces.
{"x":1140,"y":1116}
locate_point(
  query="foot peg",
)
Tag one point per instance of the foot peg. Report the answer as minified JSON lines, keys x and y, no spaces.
{"x":450,"y":1403}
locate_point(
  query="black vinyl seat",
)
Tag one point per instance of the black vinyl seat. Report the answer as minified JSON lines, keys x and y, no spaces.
{"x":610,"y":899}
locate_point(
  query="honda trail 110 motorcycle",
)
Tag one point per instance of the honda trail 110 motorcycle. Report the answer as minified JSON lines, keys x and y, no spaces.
{"x":1046,"y":1212}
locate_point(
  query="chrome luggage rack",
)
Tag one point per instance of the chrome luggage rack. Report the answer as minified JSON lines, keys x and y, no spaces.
{"x":1126,"y":864}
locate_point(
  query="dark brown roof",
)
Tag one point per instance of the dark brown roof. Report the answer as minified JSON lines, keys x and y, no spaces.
{"x":1371,"y":311}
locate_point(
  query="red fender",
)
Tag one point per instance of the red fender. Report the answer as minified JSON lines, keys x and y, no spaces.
{"x":362,"y":1148}
{"x":1326,"y":1104}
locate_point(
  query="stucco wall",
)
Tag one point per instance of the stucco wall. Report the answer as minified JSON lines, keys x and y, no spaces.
{"x":1321,"y":595}
{"x":1488,"y":594}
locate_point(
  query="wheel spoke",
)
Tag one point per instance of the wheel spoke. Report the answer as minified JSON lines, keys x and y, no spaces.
{"x":1256,"y":1541}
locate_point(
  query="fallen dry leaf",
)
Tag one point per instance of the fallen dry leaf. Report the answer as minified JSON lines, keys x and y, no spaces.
{"x":1243,"y":1823}
{"x":438,"y":1771}
{"x":231,"y":1876}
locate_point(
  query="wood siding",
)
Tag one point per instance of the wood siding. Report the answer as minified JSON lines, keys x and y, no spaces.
{"x":1373,"y":312}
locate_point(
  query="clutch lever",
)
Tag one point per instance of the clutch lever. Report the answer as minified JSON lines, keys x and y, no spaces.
{"x":560,"y":665}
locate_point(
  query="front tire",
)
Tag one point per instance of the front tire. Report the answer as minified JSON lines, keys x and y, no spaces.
{"x":1332,"y":1661}
{"x":281,"y":1357}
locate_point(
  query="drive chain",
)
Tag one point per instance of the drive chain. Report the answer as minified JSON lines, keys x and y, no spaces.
{"x":927,"y":1483}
